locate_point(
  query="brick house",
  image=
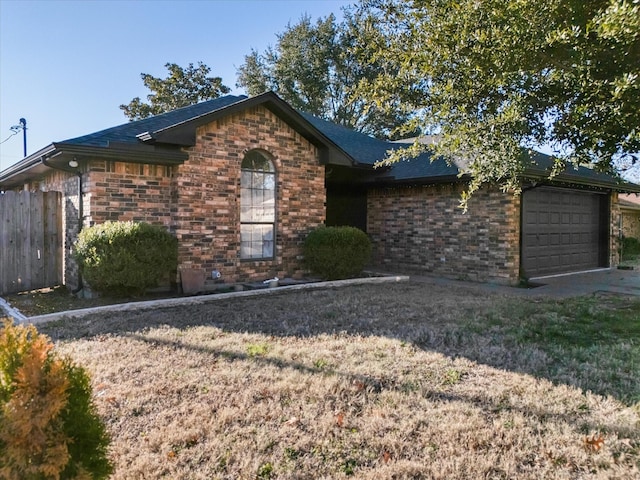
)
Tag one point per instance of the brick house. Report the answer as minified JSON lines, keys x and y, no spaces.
{"x":630,"y":210}
{"x":241,"y":181}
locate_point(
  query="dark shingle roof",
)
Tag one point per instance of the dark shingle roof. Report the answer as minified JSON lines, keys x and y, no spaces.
{"x":126,"y":133}
{"x":422,"y":167}
{"x":362,"y":149}
{"x":368,"y":150}
{"x":365,"y":150}
{"x":542,"y":165}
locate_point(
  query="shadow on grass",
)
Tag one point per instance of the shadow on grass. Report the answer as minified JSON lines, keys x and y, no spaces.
{"x":371,"y":386}
{"x":592,"y":343}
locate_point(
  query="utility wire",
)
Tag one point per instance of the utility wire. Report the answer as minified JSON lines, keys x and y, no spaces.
{"x":14,"y":133}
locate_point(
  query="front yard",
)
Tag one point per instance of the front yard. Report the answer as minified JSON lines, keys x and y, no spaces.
{"x":376,"y":381}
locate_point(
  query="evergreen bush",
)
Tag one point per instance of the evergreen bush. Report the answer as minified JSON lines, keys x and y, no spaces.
{"x":125,"y":257}
{"x":49,"y":427}
{"x":630,"y":247}
{"x":337,"y":252}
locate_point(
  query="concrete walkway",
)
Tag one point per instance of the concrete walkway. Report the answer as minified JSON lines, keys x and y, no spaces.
{"x":610,"y":280}
{"x":194,"y":300}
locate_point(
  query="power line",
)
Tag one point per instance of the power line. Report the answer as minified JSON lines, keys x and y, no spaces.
{"x":17,"y":128}
{"x":14,"y":133}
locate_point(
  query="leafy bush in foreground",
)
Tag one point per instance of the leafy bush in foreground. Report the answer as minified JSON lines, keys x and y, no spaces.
{"x":48,"y":424}
{"x":337,"y":252}
{"x":125,"y":257}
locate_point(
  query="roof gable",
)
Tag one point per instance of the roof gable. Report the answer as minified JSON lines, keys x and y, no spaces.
{"x":183,"y":132}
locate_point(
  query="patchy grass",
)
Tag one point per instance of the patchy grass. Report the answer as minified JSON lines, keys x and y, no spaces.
{"x":60,"y":299}
{"x":631,"y":261}
{"x":377,"y":381}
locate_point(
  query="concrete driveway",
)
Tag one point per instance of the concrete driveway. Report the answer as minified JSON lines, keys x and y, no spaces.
{"x":609,"y":280}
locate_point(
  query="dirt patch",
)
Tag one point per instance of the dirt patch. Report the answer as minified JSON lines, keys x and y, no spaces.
{"x":60,"y":299}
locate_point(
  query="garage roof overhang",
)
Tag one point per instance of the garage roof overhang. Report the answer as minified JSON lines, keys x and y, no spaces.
{"x":581,"y":178}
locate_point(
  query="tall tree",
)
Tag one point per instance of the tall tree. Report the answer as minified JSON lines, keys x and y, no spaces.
{"x":181,"y":88}
{"x":493,"y":76}
{"x":316,"y":67}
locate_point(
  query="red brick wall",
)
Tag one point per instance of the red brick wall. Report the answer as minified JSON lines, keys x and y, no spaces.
{"x":206,"y":213}
{"x":422,"y":230}
{"x":120,"y":191}
{"x":199,"y":200}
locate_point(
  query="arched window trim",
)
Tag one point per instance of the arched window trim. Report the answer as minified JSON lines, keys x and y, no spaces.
{"x":257,"y":206}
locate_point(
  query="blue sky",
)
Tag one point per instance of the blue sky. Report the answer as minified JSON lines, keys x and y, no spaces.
{"x":66,"y":66}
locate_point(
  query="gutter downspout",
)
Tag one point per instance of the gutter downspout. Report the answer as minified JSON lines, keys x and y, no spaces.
{"x":78,"y":173}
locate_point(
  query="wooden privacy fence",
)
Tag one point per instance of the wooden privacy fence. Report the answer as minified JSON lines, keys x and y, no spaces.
{"x":30,"y":240}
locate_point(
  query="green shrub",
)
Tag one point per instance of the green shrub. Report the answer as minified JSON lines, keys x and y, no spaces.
{"x":49,"y":427}
{"x":337,"y":252}
{"x":630,"y":246}
{"x":125,"y":257}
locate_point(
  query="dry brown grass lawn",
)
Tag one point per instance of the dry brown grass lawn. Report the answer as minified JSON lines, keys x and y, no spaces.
{"x":373,"y":382}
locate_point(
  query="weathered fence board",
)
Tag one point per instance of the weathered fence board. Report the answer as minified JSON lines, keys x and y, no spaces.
{"x":30,"y":240}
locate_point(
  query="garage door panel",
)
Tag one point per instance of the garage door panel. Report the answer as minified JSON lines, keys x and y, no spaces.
{"x":530,"y":241}
{"x":561,"y":231}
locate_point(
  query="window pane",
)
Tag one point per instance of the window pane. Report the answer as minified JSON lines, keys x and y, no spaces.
{"x":255,"y":160}
{"x":267,"y":241}
{"x":256,"y":241}
{"x":257,"y":206}
{"x":267,"y":249}
{"x":256,"y":201}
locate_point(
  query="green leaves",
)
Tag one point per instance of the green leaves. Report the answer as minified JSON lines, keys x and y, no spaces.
{"x":125,"y":257}
{"x":316,"y":67}
{"x":491,"y":77}
{"x":336,"y":253}
{"x":183,"y":87}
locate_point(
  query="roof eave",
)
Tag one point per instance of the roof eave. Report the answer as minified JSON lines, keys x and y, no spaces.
{"x":429,"y":180}
{"x":128,"y":153}
{"x":37,"y":164}
{"x":10,"y":174}
{"x":629,"y":208}
{"x":569,"y":178}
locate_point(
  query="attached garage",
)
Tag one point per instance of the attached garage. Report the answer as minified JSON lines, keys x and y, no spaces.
{"x":563,"y":231}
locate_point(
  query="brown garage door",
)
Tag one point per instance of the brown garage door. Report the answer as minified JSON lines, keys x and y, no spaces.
{"x":562,"y":231}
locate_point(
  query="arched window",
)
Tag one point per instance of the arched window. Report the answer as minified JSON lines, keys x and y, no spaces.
{"x":257,"y":206}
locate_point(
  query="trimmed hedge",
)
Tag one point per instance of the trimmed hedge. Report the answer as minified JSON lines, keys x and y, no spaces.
{"x":49,"y":426}
{"x":336,"y":253}
{"x":125,"y":257}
